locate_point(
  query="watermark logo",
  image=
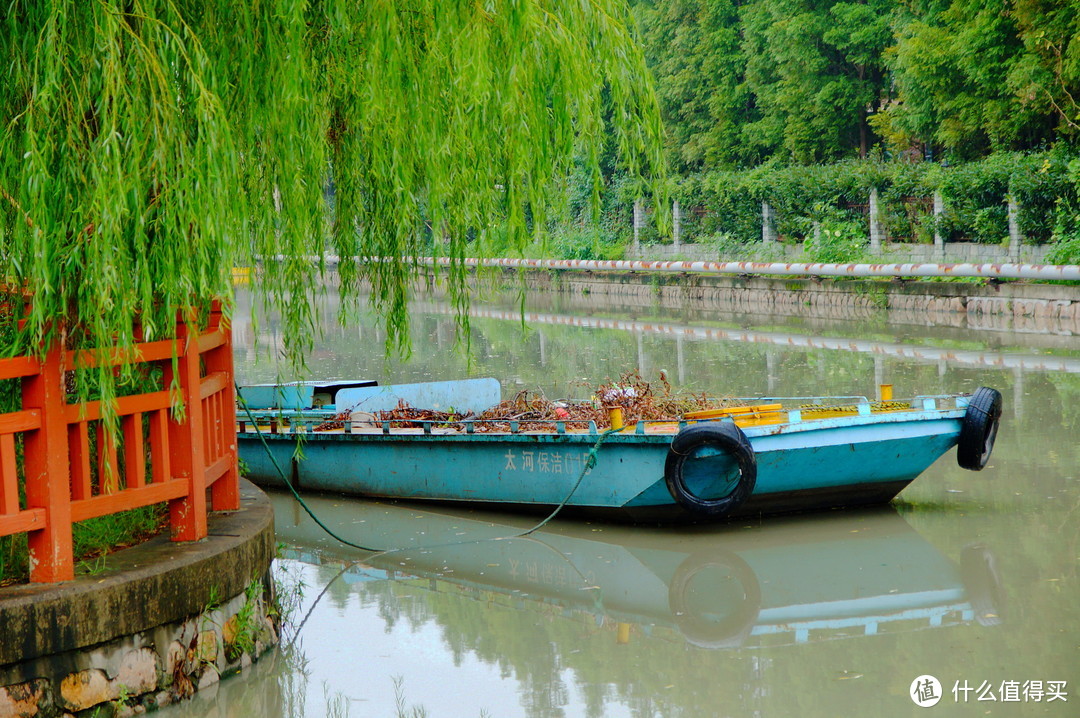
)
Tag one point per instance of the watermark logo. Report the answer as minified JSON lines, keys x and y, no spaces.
{"x":925,"y":691}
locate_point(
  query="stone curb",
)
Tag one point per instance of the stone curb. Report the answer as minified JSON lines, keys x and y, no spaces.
{"x":142,"y":587}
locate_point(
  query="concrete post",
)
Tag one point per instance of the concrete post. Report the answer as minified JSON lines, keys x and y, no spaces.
{"x":639,"y":223}
{"x":641,"y":353}
{"x":768,"y":225}
{"x":680,"y":359}
{"x":1018,"y":392}
{"x":676,"y":224}
{"x":877,"y":232}
{"x":1015,"y":237}
{"x":770,"y":370}
{"x":939,"y":212}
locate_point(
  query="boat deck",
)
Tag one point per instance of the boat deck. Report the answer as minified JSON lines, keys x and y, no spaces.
{"x":767,"y":416}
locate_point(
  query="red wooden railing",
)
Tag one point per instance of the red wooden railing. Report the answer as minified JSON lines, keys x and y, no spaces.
{"x":74,"y":470}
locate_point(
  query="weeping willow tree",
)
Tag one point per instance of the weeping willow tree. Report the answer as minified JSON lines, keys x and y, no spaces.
{"x":148,"y":146}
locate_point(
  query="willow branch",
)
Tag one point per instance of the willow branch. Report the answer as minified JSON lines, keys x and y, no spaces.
{"x":15,"y":203}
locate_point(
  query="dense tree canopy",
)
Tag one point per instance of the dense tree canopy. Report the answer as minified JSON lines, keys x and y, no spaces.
{"x":696,"y":53}
{"x":804,"y":81}
{"x":147,"y":146}
{"x":953,"y":71}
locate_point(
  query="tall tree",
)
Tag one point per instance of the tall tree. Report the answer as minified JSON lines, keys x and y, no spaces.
{"x":816,"y":69}
{"x":1047,"y":77}
{"x":694,"y":48}
{"x":148,"y":145}
{"x":958,"y":67}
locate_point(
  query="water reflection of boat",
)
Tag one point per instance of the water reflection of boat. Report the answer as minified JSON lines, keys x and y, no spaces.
{"x":836,"y":576}
{"x":770,"y":456}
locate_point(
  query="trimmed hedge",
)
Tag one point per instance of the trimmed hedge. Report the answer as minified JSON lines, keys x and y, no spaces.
{"x":724,"y":207}
{"x":728,"y":203}
{"x":974,"y":194}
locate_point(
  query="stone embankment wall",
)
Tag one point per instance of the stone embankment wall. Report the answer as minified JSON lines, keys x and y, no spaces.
{"x":1006,"y":305}
{"x":159,"y":623}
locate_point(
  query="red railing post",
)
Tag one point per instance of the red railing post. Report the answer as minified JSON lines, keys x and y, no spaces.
{"x":225,"y":492}
{"x":46,"y":468}
{"x":187,"y":515}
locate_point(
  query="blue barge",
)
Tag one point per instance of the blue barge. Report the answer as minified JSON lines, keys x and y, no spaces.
{"x":774,"y":456}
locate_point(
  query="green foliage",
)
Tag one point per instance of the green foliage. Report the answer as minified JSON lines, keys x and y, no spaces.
{"x":1066,"y":237}
{"x":104,"y":534}
{"x":150,"y":146}
{"x":694,"y":49}
{"x":757,"y":94}
{"x":288,"y":594}
{"x":806,"y":81}
{"x":814,"y":70}
{"x":213,"y":600}
{"x":726,"y":248}
{"x":13,"y":559}
{"x":1065,"y":250}
{"x":727,"y":204}
{"x":1048,"y":72}
{"x":246,"y":622}
{"x":952,"y":64}
{"x":576,"y":242}
{"x":740,"y":83}
{"x":91,"y":567}
{"x":837,"y":242}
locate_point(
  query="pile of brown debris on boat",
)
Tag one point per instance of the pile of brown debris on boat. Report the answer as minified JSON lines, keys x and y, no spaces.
{"x":532,"y":411}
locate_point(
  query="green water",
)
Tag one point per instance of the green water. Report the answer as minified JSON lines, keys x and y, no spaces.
{"x":970,"y":577}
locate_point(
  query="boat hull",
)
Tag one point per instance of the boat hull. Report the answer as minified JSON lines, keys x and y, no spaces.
{"x":845,"y":461}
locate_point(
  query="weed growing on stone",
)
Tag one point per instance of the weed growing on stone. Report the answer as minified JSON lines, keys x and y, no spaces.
{"x":289,"y":589}
{"x":125,"y":698}
{"x":213,"y":600}
{"x":245,"y":628}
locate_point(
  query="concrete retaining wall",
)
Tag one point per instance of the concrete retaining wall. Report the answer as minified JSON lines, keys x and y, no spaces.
{"x":162,"y":621}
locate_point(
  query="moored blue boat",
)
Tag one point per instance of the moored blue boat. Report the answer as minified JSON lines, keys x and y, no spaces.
{"x":770,"y":456}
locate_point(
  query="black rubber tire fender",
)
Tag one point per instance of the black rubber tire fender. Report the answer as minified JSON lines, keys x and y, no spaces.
{"x":724,"y":436}
{"x":979,"y":429}
{"x":733,"y":629}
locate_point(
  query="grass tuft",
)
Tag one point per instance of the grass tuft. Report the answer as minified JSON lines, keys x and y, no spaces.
{"x":92,"y":540}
